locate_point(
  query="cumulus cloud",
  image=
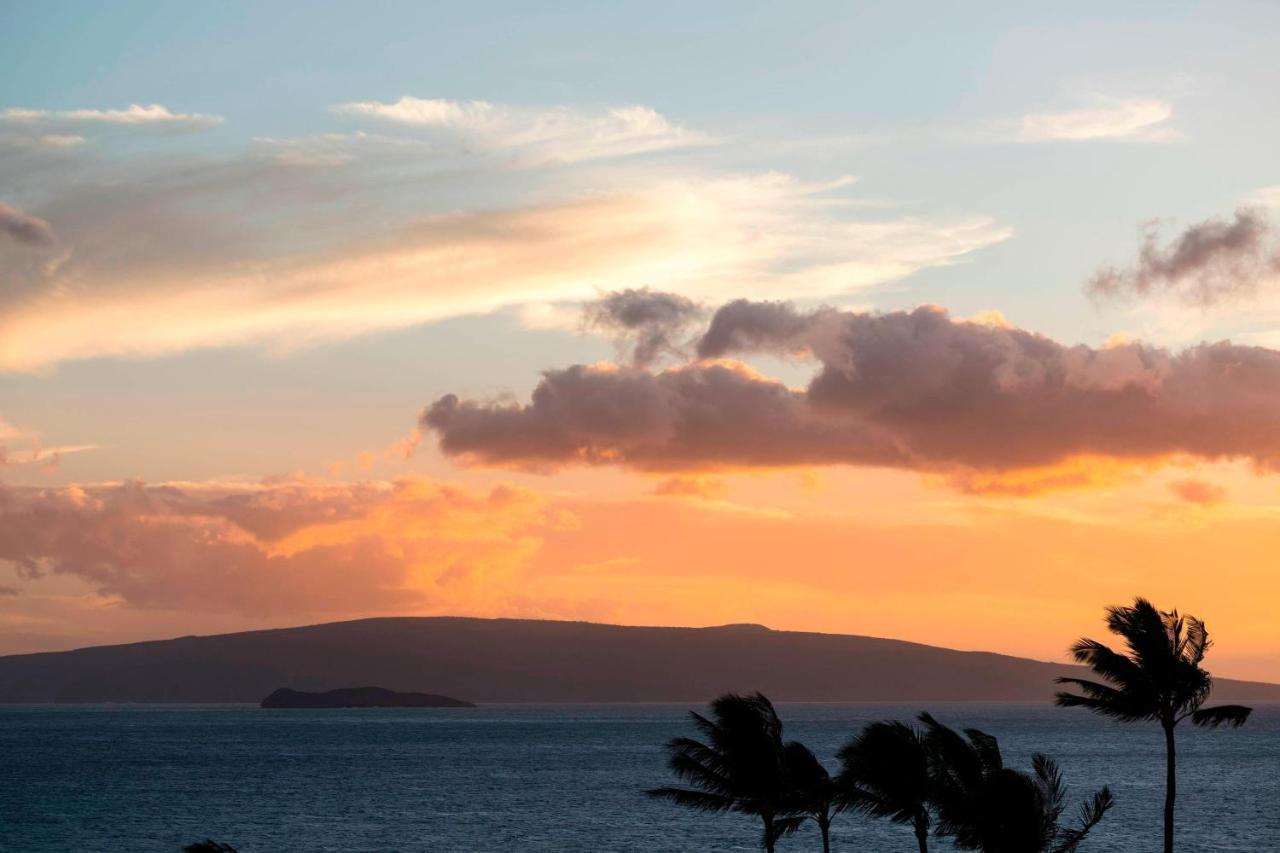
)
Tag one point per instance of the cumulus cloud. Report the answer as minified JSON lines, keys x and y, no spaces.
{"x":646,"y":322}
{"x":275,"y":548}
{"x":24,"y":228}
{"x":134,"y":115}
{"x":972,"y":401}
{"x":1207,"y":263}
{"x":559,"y":133}
{"x":1120,"y":119}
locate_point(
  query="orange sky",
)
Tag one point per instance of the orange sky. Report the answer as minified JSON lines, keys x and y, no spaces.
{"x":851,"y":551}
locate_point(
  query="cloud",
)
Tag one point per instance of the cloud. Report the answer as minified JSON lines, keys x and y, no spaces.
{"x":165,"y":263}
{"x":1198,"y":491}
{"x":275,"y":548}
{"x":25,"y":228}
{"x":1207,"y":263}
{"x":706,"y":488}
{"x":1110,"y":118}
{"x":24,"y":447}
{"x":973,"y":402}
{"x":650,"y":323}
{"x":135,"y":115}
{"x":559,"y":134}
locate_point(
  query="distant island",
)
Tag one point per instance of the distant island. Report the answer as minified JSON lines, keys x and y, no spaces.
{"x":360,"y":697}
{"x":518,"y":660}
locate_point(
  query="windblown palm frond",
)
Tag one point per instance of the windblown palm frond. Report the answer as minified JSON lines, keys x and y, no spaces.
{"x":1091,"y":814}
{"x":1233,"y":716}
{"x":885,"y":773}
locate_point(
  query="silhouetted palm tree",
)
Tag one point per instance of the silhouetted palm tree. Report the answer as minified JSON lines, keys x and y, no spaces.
{"x":738,"y":766}
{"x":1159,"y":679}
{"x":983,"y":805}
{"x":811,"y":792}
{"x":885,"y":773}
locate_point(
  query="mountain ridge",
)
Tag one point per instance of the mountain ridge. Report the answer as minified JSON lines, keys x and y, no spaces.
{"x":527,"y":660}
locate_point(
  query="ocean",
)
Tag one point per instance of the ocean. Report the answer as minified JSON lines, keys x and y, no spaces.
{"x":553,"y":778}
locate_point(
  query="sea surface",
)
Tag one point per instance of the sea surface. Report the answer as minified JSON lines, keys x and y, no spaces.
{"x":554,"y":778}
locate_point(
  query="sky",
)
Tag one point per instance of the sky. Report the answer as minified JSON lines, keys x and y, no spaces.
{"x":953,"y":323}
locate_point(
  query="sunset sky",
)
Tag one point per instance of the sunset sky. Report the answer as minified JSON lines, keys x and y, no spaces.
{"x":949,"y":325}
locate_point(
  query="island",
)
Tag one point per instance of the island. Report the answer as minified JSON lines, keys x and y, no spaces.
{"x":360,"y":697}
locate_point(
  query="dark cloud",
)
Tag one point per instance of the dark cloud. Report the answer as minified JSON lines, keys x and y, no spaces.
{"x":915,"y":390}
{"x":648,"y":322}
{"x":1208,"y":262}
{"x":8,"y":591}
{"x":25,"y":228}
{"x":692,"y":417}
{"x":746,"y":326}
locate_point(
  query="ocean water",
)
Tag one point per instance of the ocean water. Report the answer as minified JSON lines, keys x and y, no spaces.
{"x":554,"y":778}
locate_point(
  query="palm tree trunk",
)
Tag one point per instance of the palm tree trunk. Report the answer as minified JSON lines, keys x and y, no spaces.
{"x":768,"y":832}
{"x":1170,"y":785}
{"x":825,"y":826}
{"x":922,"y":835}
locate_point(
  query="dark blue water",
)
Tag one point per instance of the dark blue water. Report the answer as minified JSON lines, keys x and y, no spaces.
{"x":538,"y":778}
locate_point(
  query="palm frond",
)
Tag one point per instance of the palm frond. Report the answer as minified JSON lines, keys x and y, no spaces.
{"x":885,"y":772}
{"x":1106,"y":700}
{"x":1052,"y":788}
{"x":1091,"y":814}
{"x":1111,"y":665}
{"x":986,"y":748}
{"x":702,"y":801}
{"x":1229,"y":715}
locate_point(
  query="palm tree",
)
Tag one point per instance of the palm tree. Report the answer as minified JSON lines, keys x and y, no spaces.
{"x":983,"y":805}
{"x":1160,"y":679}
{"x":811,"y":792}
{"x":738,"y":766}
{"x":885,"y":773}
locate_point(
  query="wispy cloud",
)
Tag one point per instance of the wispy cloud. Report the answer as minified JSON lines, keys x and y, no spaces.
{"x":135,"y":115}
{"x":558,"y":133}
{"x":114,"y":294}
{"x":1144,"y":120}
{"x":24,"y":447}
{"x":25,"y":228}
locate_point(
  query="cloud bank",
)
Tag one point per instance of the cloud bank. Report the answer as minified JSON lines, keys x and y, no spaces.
{"x":276,"y":548}
{"x":919,"y":390}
